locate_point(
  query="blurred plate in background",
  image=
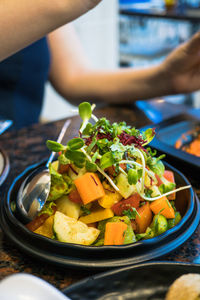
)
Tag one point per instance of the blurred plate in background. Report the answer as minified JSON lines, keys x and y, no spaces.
{"x":168,"y":132}
{"x":141,"y":282}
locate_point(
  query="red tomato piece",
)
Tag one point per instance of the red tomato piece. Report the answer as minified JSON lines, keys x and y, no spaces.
{"x":74,"y":196}
{"x":125,"y":204}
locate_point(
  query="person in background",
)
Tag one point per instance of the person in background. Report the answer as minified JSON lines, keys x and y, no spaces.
{"x":60,"y":58}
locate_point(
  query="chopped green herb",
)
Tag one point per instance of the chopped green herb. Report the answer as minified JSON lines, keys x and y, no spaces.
{"x":85,"y":210}
{"x":131,"y":213}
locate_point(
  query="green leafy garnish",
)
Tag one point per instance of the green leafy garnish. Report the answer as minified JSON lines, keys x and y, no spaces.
{"x":107,"y":160}
{"x":88,"y":129}
{"x":77,"y":157}
{"x":90,"y":167}
{"x":156,"y":165}
{"x":132,"y":176}
{"x":131,"y":213}
{"x":75,"y":144}
{"x":54,"y":173}
{"x":85,"y":210}
{"x":148,"y":193}
{"x":47,"y":209}
{"x":151,"y":152}
{"x":148,"y":135}
{"x":94,"y":156}
{"x":165,"y":188}
{"x":63,"y":160}
{"x":59,"y":185}
{"x":91,"y":146}
{"x":54,"y":146}
{"x":85,"y":112}
{"x":139,"y":173}
{"x":166,"y":185}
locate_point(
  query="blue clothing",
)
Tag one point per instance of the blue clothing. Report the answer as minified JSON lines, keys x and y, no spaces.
{"x":22,"y":82}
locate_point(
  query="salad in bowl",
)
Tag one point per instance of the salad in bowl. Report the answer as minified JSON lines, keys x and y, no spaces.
{"x":108,"y":187}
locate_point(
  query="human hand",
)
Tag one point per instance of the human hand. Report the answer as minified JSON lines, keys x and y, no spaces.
{"x":181,"y":68}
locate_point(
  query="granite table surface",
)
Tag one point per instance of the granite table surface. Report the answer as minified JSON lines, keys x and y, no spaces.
{"x":28,"y":146}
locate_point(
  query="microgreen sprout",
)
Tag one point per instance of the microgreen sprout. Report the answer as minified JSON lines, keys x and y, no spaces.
{"x":77,"y":157}
{"x":75,"y":144}
{"x":90,"y":166}
{"x":54,"y":146}
{"x":85,"y":112}
{"x":107,"y":160}
{"x":148,"y":135}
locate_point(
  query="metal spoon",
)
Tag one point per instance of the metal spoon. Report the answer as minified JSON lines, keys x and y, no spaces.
{"x":5,"y":124}
{"x":35,"y":189}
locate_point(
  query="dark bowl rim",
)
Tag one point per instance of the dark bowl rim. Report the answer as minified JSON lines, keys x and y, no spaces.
{"x":149,"y":242}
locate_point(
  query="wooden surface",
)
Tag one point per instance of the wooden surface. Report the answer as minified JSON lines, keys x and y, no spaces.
{"x":26,"y":147}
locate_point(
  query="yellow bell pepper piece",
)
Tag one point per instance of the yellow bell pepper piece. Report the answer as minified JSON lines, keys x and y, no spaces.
{"x":97,"y":215}
{"x":111,"y":197}
{"x":46,"y":229}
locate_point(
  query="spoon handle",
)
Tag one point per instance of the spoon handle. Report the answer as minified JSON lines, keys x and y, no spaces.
{"x":4,"y":125}
{"x":59,"y":139}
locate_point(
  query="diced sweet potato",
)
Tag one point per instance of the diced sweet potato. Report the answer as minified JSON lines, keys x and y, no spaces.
{"x":145,"y":217}
{"x":115,"y":233}
{"x":89,"y":187}
{"x":163,"y":206}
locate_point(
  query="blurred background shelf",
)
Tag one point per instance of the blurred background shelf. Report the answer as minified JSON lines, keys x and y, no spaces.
{"x":148,"y":9}
{"x":148,"y":32}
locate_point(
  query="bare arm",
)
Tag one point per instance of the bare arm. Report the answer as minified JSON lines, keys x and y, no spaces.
{"x":24,"y":21}
{"x":73,"y":77}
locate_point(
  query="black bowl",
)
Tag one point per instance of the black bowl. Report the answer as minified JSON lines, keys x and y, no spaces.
{"x":6,"y":166}
{"x":65,"y":254}
{"x":145,"y":281}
